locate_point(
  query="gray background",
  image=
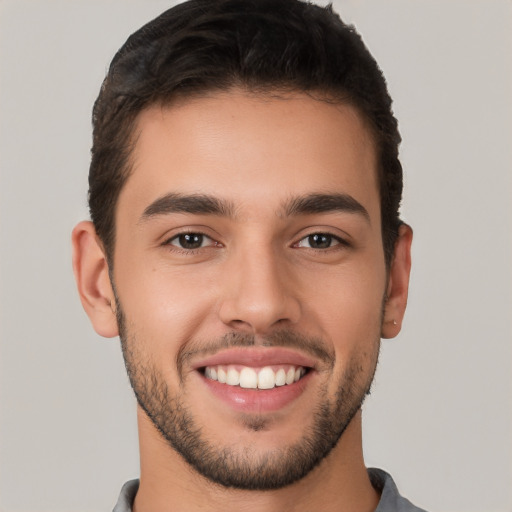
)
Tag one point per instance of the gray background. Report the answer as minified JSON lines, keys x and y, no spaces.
{"x":440,"y":416}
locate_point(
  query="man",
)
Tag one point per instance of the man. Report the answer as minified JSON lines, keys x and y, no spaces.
{"x":246,"y":246}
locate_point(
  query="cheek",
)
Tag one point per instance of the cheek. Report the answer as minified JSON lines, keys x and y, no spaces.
{"x":348,"y":308}
{"x":164,"y":306}
{"x":348,"y":300}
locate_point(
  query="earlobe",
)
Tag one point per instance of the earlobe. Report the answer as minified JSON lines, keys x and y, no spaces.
{"x":92,"y":278}
{"x":398,"y":284}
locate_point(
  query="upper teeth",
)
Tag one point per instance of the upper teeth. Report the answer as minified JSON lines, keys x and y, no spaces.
{"x":247,"y":377}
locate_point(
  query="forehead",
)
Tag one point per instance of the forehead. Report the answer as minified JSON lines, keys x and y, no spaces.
{"x":253,"y":151}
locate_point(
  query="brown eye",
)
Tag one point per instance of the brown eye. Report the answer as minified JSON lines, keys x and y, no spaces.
{"x":319,"y":241}
{"x":190,"y":241}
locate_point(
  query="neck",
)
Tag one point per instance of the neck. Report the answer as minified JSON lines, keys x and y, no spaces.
{"x":168,"y":483}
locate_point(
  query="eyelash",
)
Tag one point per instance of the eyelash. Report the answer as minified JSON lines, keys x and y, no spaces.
{"x":340,"y":242}
{"x":184,"y":250}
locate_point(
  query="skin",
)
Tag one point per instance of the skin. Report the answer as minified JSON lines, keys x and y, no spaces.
{"x":255,"y":274}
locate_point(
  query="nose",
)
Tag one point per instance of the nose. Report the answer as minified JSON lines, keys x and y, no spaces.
{"x":258,"y":292}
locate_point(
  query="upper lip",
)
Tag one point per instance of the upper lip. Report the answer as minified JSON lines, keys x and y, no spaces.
{"x":256,"y":357}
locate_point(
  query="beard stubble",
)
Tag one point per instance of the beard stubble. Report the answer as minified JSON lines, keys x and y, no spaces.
{"x":233,"y":467}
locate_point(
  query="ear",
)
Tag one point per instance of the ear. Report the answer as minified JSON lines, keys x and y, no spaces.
{"x":91,"y":274}
{"x":398,"y":284}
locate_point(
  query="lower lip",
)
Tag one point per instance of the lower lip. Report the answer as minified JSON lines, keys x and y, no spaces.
{"x":258,"y":400}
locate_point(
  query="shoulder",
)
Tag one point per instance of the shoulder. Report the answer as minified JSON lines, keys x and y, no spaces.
{"x":390,"y":499}
{"x":126,"y":497}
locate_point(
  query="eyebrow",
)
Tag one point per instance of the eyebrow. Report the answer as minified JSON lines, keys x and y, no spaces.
{"x":203,"y":204}
{"x":194,"y":203}
{"x":325,"y":203}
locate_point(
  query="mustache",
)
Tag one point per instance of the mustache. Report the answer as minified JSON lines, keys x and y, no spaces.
{"x":313,"y":346}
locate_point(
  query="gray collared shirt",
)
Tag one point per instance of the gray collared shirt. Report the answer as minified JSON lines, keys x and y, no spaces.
{"x":390,"y":499}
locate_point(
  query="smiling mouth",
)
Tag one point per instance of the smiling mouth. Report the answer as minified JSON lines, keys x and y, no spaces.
{"x":247,"y":377}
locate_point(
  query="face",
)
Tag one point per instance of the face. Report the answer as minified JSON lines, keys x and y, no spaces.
{"x":249,"y":276}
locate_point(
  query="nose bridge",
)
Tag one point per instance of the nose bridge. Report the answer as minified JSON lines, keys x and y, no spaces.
{"x":259,"y":292}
